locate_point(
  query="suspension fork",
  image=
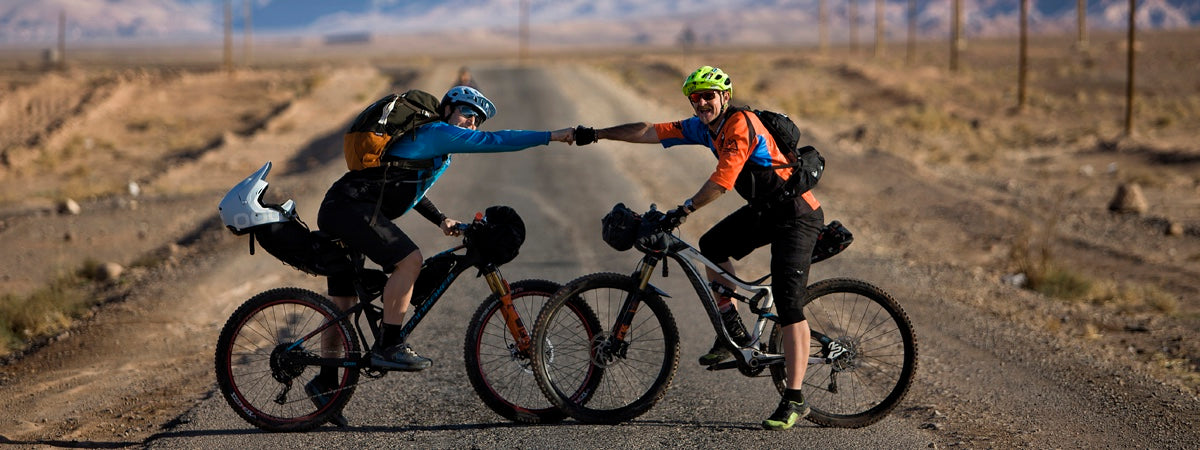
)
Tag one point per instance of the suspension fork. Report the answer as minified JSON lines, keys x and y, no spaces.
{"x":516,"y":327}
{"x":625,"y":319}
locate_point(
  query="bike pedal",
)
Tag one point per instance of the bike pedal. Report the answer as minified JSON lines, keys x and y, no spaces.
{"x":724,"y":365}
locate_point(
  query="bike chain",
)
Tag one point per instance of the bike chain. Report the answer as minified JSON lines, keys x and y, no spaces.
{"x":372,"y":373}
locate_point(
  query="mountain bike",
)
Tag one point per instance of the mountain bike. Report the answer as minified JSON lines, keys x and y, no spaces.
{"x":863,"y":352}
{"x":275,"y":343}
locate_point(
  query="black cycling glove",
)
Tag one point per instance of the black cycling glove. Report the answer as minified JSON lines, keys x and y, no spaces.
{"x":584,"y":135}
{"x":674,"y":218}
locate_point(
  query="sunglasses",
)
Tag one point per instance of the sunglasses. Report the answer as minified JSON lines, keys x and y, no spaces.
{"x":470,"y":113}
{"x":695,"y":97}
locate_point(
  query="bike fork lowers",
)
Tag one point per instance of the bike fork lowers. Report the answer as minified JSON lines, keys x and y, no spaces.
{"x":630,"y":307}
{"x":500,"y":287}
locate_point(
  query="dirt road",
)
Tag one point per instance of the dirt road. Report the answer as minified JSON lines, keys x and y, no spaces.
{"x":992,"y":373}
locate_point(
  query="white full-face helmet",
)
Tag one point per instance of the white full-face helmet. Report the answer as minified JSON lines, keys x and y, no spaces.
{"x":243,"y":209}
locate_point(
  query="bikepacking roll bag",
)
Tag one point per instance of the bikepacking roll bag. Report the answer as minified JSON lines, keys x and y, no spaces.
{"x":619,"y":228}
{"x":498,"y":239}
{"x":294,"y":244}
{"x":831,"y":240}
{"x":388,"y":118}
{"x":807,"y":162}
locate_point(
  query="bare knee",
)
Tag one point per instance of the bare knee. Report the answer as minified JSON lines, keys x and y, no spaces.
{"x":410,"y":265}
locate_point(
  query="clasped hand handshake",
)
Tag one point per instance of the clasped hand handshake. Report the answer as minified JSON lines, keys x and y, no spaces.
{"x":579,"y":135}
{"x":584,"y":135}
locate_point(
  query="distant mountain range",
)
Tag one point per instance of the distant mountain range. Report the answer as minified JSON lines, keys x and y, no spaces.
{"x":563,"y":22}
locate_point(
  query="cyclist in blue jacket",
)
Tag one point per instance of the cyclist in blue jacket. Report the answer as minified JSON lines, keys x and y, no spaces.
{"x":360,"y":206}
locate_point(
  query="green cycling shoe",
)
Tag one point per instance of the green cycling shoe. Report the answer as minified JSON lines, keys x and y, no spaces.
{"x":786,"y":415}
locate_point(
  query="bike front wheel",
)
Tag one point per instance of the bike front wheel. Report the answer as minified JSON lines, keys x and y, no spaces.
{"x":264,"y":354}
{"x":621,"y":378}
{"x":500,"y":371}
{"x":863,"y":353}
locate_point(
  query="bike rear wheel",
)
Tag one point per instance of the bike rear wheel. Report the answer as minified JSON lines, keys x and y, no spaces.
{"x":875,"y":369}
{"x":258,"y":365}
{"x":623,"y":379}
{"x":500,"y":372}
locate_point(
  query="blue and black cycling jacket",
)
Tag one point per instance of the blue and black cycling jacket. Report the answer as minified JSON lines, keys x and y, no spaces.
{"x":438,"y":140}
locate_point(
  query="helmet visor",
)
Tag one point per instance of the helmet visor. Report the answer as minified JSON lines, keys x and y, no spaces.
{"x":470,"y":112}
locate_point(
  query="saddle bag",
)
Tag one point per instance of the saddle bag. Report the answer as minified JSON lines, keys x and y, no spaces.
{"x":294,"y":244}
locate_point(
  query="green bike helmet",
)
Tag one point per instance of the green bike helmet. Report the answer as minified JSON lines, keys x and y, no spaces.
{"x":707,"y":78}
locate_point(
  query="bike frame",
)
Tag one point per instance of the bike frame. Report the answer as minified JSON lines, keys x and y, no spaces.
{"x":366,"y":305}
{"x":748,"y":358}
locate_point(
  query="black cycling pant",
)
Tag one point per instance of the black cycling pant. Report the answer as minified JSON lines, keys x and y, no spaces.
{"x":791,"y":237}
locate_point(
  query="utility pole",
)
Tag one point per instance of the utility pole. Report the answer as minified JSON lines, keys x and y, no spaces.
{"x":1022,"y":67}
{"x":956,"y":35}
{"x":62,"y":39}
{"x":853,"y":26}
{"x":1081,"y":9}
{"x":228,"y":59}
{"x":879,"y":28}
{"x":248,"y":31}
{"x":1129,"y":68}
{"x":910,"y":49}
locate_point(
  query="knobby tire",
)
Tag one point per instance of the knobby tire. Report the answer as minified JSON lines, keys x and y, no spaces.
{"x":871,"y":380}
{"x":621,"y":385}
{"x":252,"y":366}
{"x":499,"y":372}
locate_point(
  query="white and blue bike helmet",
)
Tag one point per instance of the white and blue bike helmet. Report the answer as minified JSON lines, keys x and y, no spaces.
{"x":470,"y":96}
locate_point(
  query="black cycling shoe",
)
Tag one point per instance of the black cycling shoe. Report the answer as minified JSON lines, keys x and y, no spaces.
{"x":786,"y":415}
{"x":399,"y":357}
{"x":737,"y":331}
{"x":716,"y":354}
{"x":320,"y":397}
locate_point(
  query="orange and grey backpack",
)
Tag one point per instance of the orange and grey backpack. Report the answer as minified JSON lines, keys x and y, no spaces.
{"x":388,"y":118}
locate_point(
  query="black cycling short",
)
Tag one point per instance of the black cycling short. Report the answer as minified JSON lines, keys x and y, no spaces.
{"x":347,"y":212}
{"x":791,"y":235}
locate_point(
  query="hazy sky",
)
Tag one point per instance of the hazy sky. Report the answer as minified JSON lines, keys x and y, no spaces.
{"x":34,"y":21}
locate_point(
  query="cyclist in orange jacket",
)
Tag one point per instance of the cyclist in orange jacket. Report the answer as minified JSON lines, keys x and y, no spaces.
{"x":788,"y":224}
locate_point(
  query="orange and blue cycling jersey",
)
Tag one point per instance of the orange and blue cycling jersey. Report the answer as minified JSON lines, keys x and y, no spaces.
{"x":742,"y":160}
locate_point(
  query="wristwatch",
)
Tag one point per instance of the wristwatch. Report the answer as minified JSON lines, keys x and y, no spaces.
{"x":687,"y":205}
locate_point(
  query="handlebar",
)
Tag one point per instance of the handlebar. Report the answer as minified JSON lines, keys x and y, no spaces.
{"x":657,"y":218}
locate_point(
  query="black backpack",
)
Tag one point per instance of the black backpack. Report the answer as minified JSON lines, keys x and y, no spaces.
{"x":809,"y":163}
{"x":387,"y":118}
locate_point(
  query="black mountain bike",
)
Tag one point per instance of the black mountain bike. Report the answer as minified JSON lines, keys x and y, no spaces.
{"x":863,"y":351}
{"x":276,"y":342}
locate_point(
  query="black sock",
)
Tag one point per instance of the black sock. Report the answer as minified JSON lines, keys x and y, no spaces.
{"x":793,"y":395}
{"x":328,"y":376}
{"x":391,"y":335}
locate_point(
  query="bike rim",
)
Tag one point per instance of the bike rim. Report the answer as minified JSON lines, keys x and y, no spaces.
{"x":874,"y":366}
{"x":262,"y":385}
{"x":507,"y":372}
